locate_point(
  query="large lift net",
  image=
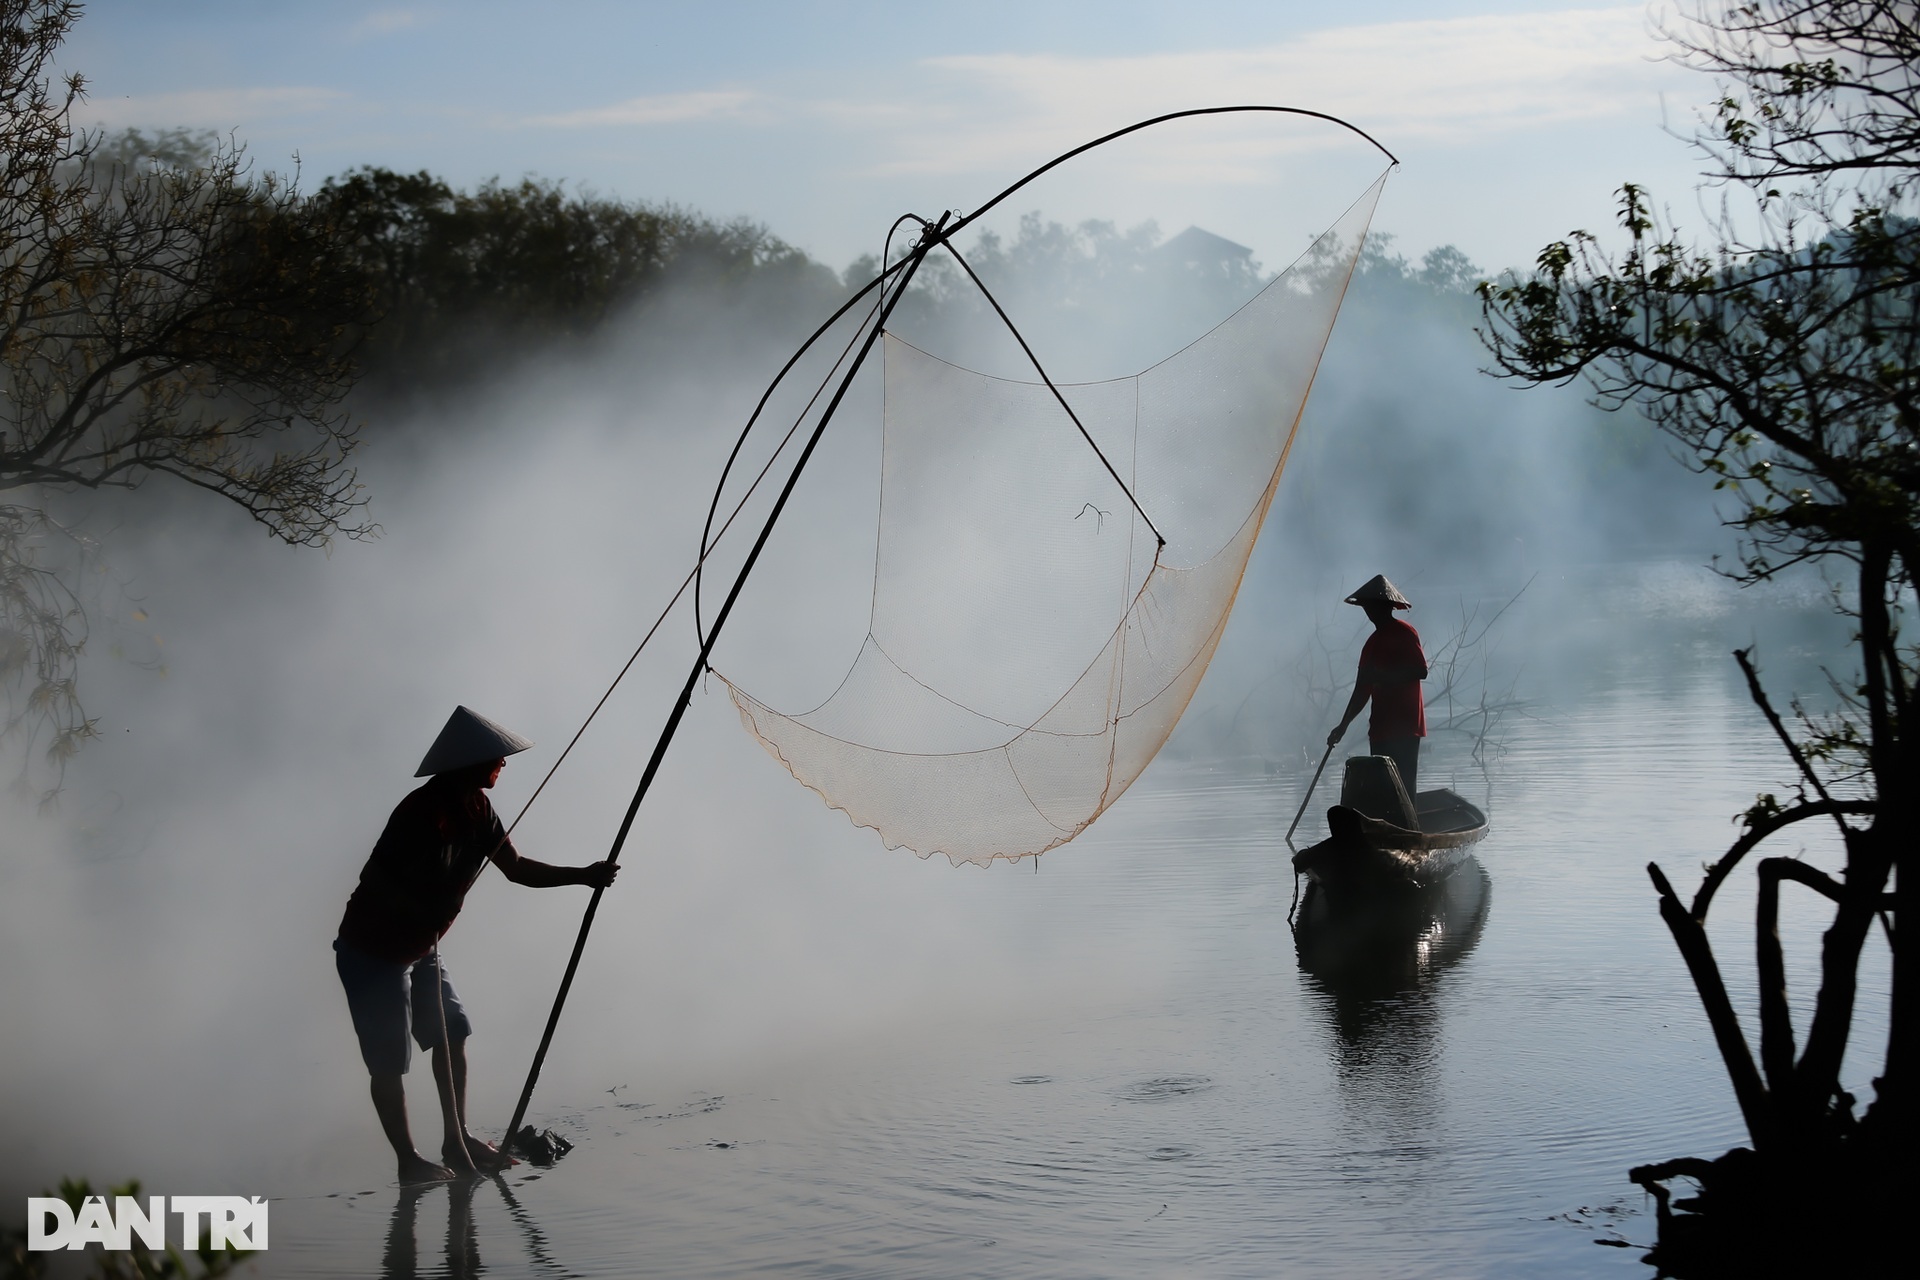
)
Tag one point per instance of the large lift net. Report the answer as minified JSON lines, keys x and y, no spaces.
{"x":1031,"y":645}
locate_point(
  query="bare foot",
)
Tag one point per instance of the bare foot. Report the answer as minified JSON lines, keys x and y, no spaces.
{"x":458,"y":1160}
{"x":486,"y":1157}
{"x":419,"y":1171}
{"x":475,"y":1157}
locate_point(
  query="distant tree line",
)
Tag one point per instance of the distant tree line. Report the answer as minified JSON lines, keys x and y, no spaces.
{"x":458,"y":277}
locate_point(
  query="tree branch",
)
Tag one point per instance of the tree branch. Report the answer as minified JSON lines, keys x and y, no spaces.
{"x":1776,"y":1021}
{"x":1758,"y":829}
{"x":1748,"y":1089}
{"x":1760,"y":700}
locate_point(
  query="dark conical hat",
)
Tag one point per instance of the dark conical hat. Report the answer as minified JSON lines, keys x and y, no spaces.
{"x":469,"y":739}
{"x":1379,"y":591}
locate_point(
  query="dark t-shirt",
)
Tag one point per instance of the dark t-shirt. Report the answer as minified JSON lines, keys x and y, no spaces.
{"x":1398,"y":710}
{"x":418,"y":874}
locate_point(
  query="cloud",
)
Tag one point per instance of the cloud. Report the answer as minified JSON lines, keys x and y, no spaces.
{"x":214,"y":108}
{"x":383,"y":22}
{"x":1444,"y":81}
{"x":665,"y":108}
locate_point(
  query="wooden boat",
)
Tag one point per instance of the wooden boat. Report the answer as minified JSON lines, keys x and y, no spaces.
{"x":1381,"y":841}
{"x":1374,"y":949}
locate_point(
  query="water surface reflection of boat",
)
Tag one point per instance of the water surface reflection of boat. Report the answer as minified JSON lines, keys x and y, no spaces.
{"x":1377,"y":960}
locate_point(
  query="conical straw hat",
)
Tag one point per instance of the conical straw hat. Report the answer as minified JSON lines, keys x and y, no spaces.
{"x":469,"y":739}
{"x":1379,"y":591}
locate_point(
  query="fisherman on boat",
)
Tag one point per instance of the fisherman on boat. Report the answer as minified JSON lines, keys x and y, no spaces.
{"x":1392,"y":665}
{"x":435,"y":845}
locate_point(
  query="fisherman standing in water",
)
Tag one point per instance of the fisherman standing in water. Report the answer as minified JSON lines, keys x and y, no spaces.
{"x":1392,"y":665}
{"x":435,"y":845}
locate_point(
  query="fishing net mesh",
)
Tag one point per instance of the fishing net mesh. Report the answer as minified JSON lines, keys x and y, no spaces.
{"x":1030,"y":646}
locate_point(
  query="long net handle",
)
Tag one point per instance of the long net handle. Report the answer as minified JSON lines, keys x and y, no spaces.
{"x":700,"y":663}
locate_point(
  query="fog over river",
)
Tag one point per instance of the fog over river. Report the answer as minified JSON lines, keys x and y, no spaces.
{"x":790,"y":1049}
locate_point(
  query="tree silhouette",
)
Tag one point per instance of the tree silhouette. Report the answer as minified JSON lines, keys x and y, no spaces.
{"x":189,"y":320}
{"x":1785,"y":357}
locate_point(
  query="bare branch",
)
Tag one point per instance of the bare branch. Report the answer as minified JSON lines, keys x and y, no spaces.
{"x":1697,"y":952}
{"x":1760,"y":825}
{"x":1759,"y":696}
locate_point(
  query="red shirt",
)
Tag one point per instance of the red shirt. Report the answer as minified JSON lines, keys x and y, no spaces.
{"x":1398,"y":709}
{"x":417,"y":877}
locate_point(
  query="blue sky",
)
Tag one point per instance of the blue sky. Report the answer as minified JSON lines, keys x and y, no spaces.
{"x":1515,"y":122}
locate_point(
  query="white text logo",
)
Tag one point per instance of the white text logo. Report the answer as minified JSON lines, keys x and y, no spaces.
{"x":231,"y":1222}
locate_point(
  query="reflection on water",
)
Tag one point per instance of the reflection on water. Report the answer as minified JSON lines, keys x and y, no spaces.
{"x":460,"y":1260}
{"x":538,"y":1251}
{"x":1376,"y":965}
{"x":1377,"y":960}
{"x":401,"y":1260}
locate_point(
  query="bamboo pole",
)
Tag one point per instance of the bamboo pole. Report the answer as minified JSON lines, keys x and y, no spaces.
{"x":927,"y":242}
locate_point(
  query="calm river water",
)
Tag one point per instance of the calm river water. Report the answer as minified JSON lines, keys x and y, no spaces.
{"x":1461,"y":1097}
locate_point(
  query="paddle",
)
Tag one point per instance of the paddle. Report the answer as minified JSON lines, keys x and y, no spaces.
{"x":1306,"y":799}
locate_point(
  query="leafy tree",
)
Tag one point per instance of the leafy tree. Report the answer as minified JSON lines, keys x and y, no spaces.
{"x":462,"y":275}
{"x":189,"y":320}
{"x":1785,"y":356}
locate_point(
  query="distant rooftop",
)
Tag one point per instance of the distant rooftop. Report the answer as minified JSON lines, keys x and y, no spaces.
{"x":1204,"y":250}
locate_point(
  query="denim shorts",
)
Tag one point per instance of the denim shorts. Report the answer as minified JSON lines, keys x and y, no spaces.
{"x":388,"y":998}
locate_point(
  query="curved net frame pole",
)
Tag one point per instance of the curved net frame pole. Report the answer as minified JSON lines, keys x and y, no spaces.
{"x":1191,"y":113}
{"x":955,"y":227}
{"x":928,"y":240}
